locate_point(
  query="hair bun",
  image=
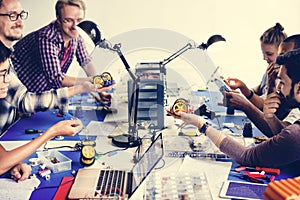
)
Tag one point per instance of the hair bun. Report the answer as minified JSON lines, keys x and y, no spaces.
{"x":279,"y":27}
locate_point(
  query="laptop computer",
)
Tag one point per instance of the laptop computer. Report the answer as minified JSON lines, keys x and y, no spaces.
{"x":116,"y":184}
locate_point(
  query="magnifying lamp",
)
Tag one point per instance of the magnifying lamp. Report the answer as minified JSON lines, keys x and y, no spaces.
{"x":213,"y":39}
{"x":92,"y":31}
{"x":131,"y":139}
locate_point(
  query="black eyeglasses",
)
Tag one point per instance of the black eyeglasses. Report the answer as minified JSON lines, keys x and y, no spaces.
{"x":14,"y":16}
{"x":5,"y":75}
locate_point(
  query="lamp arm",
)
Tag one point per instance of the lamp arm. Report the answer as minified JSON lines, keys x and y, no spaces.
{"x":117,"y":48}
{"x":135,"y":96}
{"x":177,"y":53}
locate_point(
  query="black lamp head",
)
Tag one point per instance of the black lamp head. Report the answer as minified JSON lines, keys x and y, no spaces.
{"x":92,"y":30}
{"x":210,"y":41}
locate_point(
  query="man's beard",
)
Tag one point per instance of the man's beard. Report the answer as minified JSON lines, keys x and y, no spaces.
{"x":291,"y":101}
{"x":287,"y":104}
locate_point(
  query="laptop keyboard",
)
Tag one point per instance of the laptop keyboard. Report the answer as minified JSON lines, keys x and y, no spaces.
{"x":112,"y":182}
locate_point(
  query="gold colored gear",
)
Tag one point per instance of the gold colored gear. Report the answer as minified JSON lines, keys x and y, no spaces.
{"x":98,"y":80}
{"x":88,"y":152}
{"x":180,"y":106}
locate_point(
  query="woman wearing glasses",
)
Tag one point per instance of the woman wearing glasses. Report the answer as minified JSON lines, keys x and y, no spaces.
{"x":12,"y":159}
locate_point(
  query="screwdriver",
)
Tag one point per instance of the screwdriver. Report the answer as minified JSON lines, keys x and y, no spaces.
{"x":30,"y":131}
{"x":267,"y":170}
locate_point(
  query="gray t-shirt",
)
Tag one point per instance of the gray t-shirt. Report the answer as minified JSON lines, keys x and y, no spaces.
{"x":279,"y":150}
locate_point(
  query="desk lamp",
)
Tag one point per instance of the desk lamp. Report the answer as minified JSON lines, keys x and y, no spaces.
{"x":202,"y":110}
{"x":131,"y":139}
{"x":210,"y":41}
{"x":213,"y":39}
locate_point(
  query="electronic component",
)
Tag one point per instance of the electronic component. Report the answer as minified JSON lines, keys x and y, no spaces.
{"x":180,"y":105}
{"x":30,"y":131}
{"x":88,"y":154}
{"x":247,"y":130}
{"x":105,"y":79}
{"x":44,"y":172}
{"x":232,"y":189}
{"x":202,"y":110}
{"x":222,"y":85}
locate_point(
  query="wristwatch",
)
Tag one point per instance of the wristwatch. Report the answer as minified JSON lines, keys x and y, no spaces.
{"x":250,"y":95}
{"x":204,"y":128}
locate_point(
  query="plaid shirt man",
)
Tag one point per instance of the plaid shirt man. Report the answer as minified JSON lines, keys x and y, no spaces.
{"x":39,"y":55}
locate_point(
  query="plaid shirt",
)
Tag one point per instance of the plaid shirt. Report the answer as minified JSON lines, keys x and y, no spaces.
{"x":38,"y":56}
{"x":18,"y":99}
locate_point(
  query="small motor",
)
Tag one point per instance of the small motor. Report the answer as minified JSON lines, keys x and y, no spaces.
{"x":180,"y":105}
{"x":105,"y":79}
{"x":88,"y":153}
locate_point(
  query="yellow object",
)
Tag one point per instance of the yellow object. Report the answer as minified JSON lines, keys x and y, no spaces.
{"x":180,"y":105}
{"x":87,"y":155}
{"x":88,"y":152}
{"x":98,"y":80}
{"x":190,"y":133}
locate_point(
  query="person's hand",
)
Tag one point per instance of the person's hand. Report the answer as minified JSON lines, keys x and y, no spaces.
{"x":191,"y":119}
{"x":20,"y":172}
{"x":235,"y":100}
{"x":271,"y":104}
{"x":90,"y":87}
{"x":188,"y":118}
{"x":105,"y":97}
{"x":235,"y":83}
{"x":65,"y":128}
{"x":272,"y":72}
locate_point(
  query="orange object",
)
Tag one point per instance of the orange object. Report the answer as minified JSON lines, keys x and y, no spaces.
{"x":283,"y":189}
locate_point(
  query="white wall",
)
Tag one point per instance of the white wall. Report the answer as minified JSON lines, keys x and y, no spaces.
{"x":240,"y":22}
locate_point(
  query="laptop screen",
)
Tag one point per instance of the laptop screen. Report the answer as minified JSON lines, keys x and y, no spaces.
{"x":147,"y":162}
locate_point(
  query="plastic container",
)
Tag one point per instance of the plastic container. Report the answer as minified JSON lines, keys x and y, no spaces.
{"x":63,"y":163}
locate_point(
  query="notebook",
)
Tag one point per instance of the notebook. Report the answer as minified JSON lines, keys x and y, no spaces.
{"x":116,"y":184}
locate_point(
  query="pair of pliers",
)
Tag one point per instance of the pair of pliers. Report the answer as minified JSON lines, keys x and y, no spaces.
{"x":252,"y":177}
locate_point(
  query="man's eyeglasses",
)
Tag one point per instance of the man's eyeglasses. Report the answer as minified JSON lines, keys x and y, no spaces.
{"x":14,"y":16}
{"x":5,"y":75}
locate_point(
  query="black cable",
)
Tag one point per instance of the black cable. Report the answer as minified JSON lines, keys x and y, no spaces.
{"x":77,"y":147}
{"x":163,"y":164}
{"x":108,"y":152}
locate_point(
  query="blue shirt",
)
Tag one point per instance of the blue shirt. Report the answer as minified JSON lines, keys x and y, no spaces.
{"x":38,"y":56}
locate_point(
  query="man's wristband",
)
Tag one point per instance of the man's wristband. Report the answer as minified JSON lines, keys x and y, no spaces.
{"x":204,"y":128}
{"x":250,"y":95}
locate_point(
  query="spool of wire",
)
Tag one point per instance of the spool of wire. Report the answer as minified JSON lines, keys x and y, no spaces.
{"x":88,"y":154}
{"x":105,"y":79}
